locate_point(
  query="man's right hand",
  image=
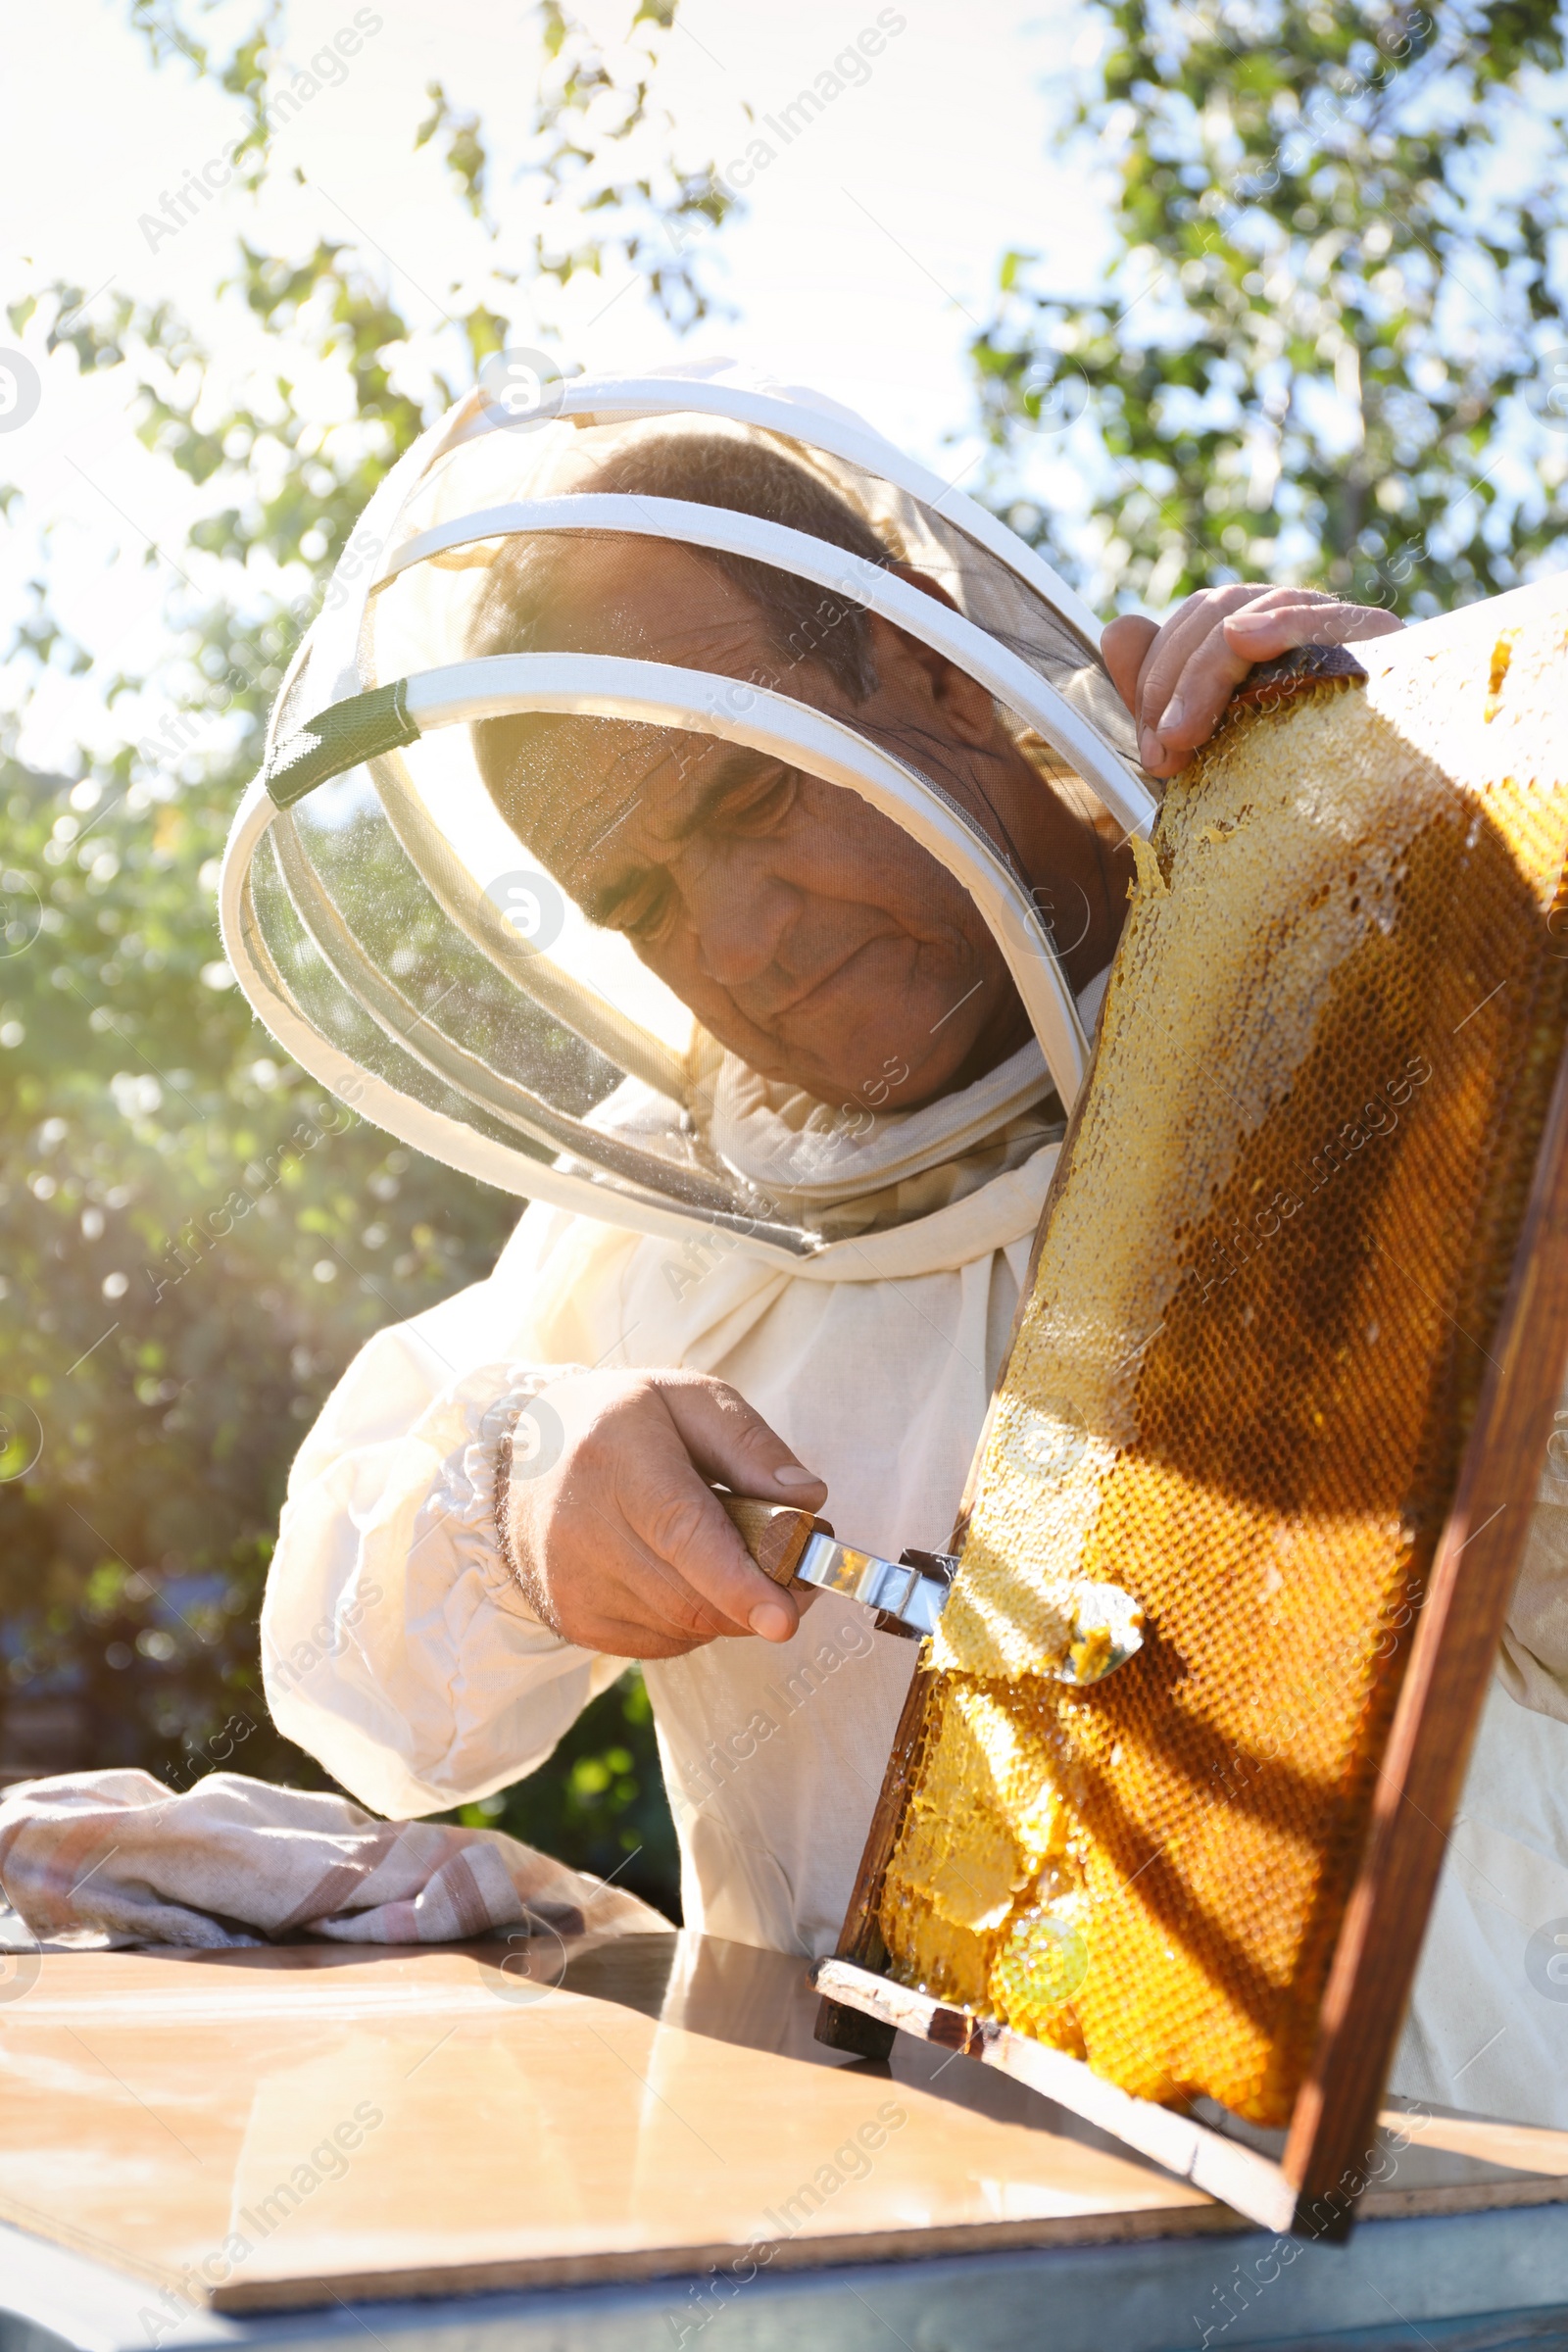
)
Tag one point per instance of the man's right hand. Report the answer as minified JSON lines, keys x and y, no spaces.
{"x":621,"y":1546}
{"x":1176,"y":679}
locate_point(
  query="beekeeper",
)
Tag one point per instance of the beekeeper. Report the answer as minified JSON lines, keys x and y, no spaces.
{"x":736,"y":876}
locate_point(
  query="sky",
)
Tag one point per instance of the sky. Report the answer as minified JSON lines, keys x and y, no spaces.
{"x":866,"y":259}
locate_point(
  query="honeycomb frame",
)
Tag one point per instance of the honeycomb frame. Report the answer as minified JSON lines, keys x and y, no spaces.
{"x":1333,"y":1028}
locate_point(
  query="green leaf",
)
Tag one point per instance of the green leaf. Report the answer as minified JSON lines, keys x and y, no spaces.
{"x":1300,"y":208}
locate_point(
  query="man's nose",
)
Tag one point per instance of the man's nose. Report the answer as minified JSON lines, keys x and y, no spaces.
{"x":740,"y":911}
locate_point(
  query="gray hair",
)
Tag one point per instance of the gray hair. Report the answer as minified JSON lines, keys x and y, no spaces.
{"x":709,"y":469}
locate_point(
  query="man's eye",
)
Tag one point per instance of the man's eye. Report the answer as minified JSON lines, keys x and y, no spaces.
{"x":645,"y":914}
{"x":760,"y":804}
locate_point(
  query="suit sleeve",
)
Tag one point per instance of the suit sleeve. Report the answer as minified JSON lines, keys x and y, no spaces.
{"x":396,"y":1648}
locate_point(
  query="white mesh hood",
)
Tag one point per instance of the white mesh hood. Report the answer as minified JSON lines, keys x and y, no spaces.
{"x":411,"y":945}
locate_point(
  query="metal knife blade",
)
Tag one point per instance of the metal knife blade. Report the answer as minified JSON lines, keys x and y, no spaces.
{"x":910,"y":1592}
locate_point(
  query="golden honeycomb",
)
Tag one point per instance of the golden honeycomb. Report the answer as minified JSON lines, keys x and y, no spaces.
{"x":1271,"y":1263}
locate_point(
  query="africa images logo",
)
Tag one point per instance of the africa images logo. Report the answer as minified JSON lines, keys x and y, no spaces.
{"x":1546,"y":1960}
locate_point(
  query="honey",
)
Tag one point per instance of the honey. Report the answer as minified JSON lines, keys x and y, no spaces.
{"x":1270,"y":1268}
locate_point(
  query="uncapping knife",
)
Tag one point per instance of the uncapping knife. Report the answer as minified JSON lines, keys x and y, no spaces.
{"x":910,"y":1593}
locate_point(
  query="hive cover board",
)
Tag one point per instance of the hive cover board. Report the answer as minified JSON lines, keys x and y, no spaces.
{"x":1267,"y":1300}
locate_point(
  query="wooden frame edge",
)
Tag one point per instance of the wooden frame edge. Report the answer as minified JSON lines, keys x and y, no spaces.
{"x":918,"y":2241}
{"x":1237,"y":2175}
{"x":1315,"y":2189}
{"x":1442,"y":1694}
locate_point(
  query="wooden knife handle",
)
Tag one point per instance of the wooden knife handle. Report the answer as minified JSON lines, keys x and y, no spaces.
{"x":773,"y":1533}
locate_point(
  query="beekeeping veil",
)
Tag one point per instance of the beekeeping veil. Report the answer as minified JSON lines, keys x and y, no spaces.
{"x":409,"y":947}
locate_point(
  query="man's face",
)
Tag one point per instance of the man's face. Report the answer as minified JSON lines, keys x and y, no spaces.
{"x":806,"y":931}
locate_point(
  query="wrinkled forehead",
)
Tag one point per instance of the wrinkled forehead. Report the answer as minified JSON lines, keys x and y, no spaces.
{"x":589,"y":794}
{"x":648,"y":599}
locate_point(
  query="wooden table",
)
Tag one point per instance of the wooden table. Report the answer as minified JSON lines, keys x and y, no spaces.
{"x":638,"y":2144}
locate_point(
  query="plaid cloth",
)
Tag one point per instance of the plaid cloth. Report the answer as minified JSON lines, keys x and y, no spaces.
{"x":109,"y":1858}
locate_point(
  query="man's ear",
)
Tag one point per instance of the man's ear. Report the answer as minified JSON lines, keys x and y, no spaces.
{"x":965,"y":705}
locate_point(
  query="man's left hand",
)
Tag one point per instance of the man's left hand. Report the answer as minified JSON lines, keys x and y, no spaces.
{"x":1177,"y":679}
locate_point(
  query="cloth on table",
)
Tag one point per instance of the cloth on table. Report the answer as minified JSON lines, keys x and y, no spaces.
{"x":113,"y":1858}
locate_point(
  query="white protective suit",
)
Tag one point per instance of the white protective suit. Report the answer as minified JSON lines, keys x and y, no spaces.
{"x":442,"y":1687}
{"x":774,"y":1754}
{"x":397,"y":1649}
